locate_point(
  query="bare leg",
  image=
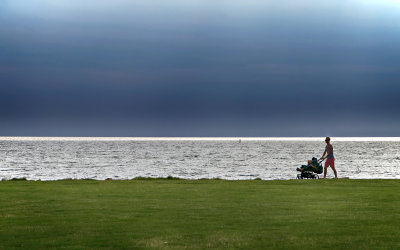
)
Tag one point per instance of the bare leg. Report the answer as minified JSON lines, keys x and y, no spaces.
{"x":325,"y":169}
{"x":334,"y":171}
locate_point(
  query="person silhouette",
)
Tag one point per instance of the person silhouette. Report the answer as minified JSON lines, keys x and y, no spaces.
{"x":330,"y":159}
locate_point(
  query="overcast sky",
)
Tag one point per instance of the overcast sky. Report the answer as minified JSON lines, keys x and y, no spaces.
{"x":199,"y":68}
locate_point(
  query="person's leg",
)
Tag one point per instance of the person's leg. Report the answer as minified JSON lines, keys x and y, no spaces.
{"x":333,"y":168}
{"x":334,"y":171}
{"x":325,"y":169}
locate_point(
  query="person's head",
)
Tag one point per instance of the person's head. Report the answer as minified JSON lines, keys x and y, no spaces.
{"x":327,"y":140}
{"x":309,"y":162}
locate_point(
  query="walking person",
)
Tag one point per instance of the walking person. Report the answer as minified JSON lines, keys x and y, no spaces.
{"x":330,"y":159}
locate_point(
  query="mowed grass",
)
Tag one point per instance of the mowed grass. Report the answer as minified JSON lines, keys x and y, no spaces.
{"x":178,"y":214}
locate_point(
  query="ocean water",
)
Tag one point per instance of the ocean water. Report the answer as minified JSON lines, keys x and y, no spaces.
{"x":55,"y":158}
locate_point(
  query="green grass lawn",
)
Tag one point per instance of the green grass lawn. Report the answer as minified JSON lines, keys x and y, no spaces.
{"x":296,"y":214}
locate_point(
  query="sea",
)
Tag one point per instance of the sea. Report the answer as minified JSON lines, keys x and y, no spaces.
{"x":56,"y":158}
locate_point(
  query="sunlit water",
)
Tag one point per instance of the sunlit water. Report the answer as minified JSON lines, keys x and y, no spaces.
{"x":191,"y":158}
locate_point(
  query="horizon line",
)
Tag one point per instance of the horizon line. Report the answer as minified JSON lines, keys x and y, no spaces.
{"x":105,"y":138}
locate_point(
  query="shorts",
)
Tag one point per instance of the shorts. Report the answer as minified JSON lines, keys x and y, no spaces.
{"x":330,"y":162}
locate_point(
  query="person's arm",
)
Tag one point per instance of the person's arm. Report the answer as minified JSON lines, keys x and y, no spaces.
{"x":322,"y":157}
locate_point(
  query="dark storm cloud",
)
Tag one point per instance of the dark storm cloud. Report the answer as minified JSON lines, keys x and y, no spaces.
{"x":199,"y":68}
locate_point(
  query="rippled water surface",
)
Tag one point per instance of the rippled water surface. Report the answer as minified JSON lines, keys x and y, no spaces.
{"x":60,"y":158}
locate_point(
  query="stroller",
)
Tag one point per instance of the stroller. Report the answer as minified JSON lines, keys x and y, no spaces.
{"x":310,"y":171}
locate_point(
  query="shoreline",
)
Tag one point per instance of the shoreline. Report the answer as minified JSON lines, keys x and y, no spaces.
{"x":170,"y":178}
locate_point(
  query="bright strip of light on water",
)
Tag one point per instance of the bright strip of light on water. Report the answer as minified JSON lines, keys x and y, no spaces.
{"x":18,"y":138}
